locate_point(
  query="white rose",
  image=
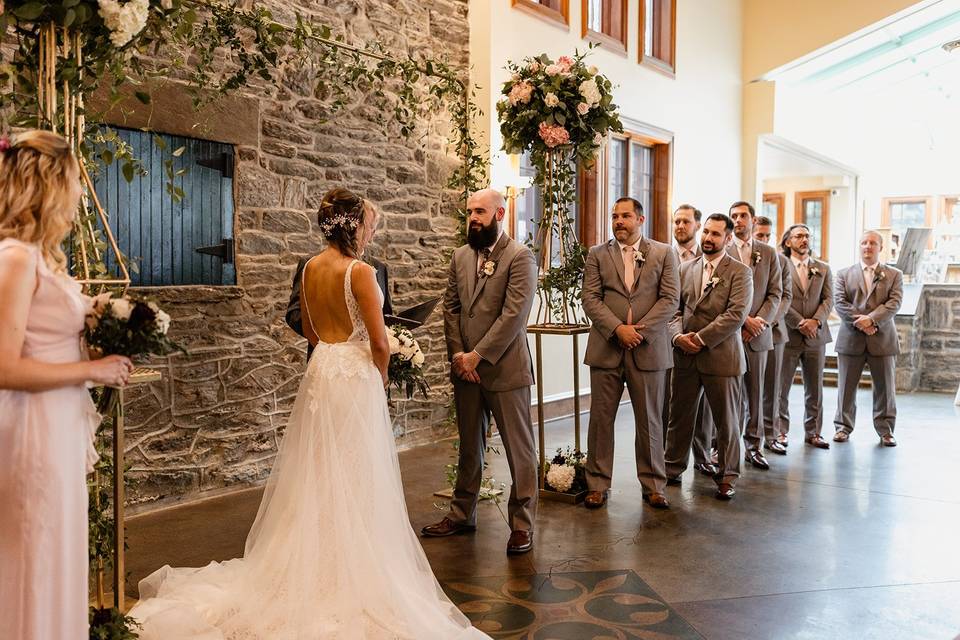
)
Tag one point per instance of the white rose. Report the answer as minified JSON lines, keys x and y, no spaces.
{"x":554,"y":69}
{"x":590,"y":92}
{"x":166,"y":4}
{"x":407,"y":352}
{"x":393,"y":343}
{"x":418,"y":359}
{"x":592,"y":70}
{"x":515,"y":77}
{"x":560,"y":477}
{"x":162,"y":321}
{"x":583,"y":108}
{"x":121,"y":308}
{"x":533,"y":67}
{"x":551,"y":100}
{"x":99,"y":302}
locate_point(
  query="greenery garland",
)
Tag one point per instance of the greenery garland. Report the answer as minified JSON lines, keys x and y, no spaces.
{"x":213,"y":50}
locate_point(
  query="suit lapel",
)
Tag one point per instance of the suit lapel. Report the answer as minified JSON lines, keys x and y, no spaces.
{"x":644,"y":251}
{"x":617,"y":257}
{"x":494,"y":256}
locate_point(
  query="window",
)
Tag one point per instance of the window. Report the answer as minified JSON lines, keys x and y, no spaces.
{"x":173,"y":243}
{"x":813,"y":210}
{"x":551,"y":10}
{"x":638,"y":166}
{"x":605,"y":22}
{"x":528,"y":209}
{"x":658,"y":21}
{"x":950,"y":212}
{"x":772,"y":208}
{"x":901,"y":213}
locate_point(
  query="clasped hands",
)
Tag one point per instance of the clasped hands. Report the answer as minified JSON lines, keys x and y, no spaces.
{"x":809,"y":327}
{"x":465,"y":366}
{"x":752,"y":327}
{"x":629,"y":335}
{"x":865,"y":324}
{"x":689,"y":343}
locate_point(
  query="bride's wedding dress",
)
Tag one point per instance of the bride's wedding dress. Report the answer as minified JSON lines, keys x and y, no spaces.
{"x":331,"y":554}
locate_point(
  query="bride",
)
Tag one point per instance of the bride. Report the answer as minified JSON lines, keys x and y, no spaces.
{"x":331,"y":554}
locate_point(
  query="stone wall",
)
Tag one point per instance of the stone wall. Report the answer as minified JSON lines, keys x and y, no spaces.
{"x":930,"y":342}
{"x":216,"y":419}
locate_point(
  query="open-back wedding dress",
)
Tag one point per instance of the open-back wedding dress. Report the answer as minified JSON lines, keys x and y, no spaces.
{"x":331,"y":555}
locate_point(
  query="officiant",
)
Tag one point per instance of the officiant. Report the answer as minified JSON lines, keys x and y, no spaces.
{"x":295,"y":320}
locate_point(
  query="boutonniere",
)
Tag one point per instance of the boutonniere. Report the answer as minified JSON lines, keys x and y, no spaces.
{"x":715,"y":281}
{"x":489,"y":268}
{"x":756,"y":257}
{"x":814,"y":271}
{"x":639,"y":258}
{"x":879,"y":275}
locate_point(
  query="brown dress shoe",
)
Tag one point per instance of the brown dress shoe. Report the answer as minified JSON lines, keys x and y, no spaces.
{"x":819,"y":442}
{"x":756,"y":459}
{"x":776,"y":447}
{"x":656,"y":500}
{"x":446,"y":527}
{"x":595,"y":499}
{"x":520,"y":542}
{"x":725,"y":491}
{"x":706,"y":468}
{"x":888,"y":440}
{"x":841,"y":436}
{"x":782,"y":439}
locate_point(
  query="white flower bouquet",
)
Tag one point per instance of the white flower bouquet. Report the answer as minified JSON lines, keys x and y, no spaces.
{"x":128,"y":326}
{"x":406,"y":362}
{"x":566,"y":473}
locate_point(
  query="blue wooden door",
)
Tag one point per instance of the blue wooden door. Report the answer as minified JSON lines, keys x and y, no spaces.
{"x":161,"y":235}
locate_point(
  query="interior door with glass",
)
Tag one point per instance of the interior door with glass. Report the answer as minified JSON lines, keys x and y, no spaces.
{"x":813,"y":210}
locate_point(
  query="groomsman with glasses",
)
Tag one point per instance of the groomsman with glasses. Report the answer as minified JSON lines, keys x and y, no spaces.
{"x":762,"y":232}
{"x":807,"y":334}
{"x":868,"y":296}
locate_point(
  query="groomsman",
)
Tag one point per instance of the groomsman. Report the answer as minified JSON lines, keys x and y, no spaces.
{"x":715,"y":296}
{"x":756,"y":334}
{"x":489,"y":295}
{"x":686,"y":224}
{"x":868,"y":296}
{"x":631,"y":288}
{"x":807,"y":334}
{"x":762,"y":232}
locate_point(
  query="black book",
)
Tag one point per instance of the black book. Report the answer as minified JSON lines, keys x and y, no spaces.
{"x":414,"y":316}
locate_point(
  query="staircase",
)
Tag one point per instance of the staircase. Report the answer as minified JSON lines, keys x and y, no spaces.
{"x":830,"y":374}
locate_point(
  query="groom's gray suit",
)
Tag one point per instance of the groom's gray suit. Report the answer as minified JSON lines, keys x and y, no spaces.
{"x":652,"y":298}
{"x":488,"y":314}
{"x":716,"y":316}
{"x":855,"y":348}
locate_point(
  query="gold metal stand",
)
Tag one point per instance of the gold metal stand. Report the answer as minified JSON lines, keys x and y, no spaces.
{"x":574,"y":331}
{"x":139,"y":376}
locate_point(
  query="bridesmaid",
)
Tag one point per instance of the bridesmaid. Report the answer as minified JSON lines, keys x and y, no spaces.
{"x":47,"y":420}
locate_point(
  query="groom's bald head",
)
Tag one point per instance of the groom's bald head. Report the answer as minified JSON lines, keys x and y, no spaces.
{"x":485,"y":211}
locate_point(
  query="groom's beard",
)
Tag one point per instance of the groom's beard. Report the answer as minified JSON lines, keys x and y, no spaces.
{"x":480,"y":237}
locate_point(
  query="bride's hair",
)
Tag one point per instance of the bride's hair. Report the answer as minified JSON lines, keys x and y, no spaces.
{"x":340,"y":218}
{"x":39,"y":193}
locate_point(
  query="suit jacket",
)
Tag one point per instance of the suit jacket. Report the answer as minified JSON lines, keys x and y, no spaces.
{"x":294,"y":315}
{"x":882,"y":305}
{"x":779,"y":326}
{"x":716,"y":317}
{"x":767,"y":289}
{"x":816,"y":302}
{"x":489,"y":314}
{"x":653,"y":299}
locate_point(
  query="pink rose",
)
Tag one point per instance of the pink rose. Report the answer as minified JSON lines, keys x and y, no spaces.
{"x":533,"y":67}
{"x":520,"y":93}
{"x":553,"y":135}
{"x":566,"y":62}
{"x":582,"y":108}
{"x":554,"y":69}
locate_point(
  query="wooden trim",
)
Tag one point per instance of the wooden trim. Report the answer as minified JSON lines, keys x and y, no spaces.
{"x":546,"y":13}
{"x":886,"y":202}
{"x":666,"y":65}
{"x":781,"y":201}
{"x":798,"y":216}
{"x":605,"y":40}
{"x":945,"y":206}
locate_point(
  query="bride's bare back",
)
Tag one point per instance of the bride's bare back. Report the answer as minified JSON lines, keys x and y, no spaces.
{"x":323,"y":297}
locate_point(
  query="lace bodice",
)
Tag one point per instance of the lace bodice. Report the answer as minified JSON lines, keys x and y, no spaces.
{"x":359,"y":333}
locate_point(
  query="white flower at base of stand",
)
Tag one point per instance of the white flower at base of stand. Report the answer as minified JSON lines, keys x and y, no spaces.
{"x":560,"y":477}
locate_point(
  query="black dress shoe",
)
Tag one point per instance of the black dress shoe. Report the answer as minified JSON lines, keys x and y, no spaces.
{"x":446,"y":527}
{"x":520,"y":542}
{"x":776,"y":447}
{"x":725,"y":491}
{"x":674,"y":481}
{"x":756,"y":459}
{"x":706,"y":468}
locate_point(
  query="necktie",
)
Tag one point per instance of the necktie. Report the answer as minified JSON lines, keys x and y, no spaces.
{"x":802,"y":273}
{"x":707,"y":274}
{"x":484,"y":256}
{"x":868,"y":280}
{"x":628,"y":274}
{"x":745,"y":254}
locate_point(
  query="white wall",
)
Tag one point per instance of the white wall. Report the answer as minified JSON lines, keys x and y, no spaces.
{"x":701,"y":106}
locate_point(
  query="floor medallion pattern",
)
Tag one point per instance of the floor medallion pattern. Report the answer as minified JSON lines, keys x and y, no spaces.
{"x":592,"y":605}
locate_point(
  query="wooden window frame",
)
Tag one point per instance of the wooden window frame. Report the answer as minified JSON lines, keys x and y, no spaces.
{"x":666,"y":67}
{"x":886,"y":202}
{"x":605,"y":40}
{"x":798,"y":216}
{"x":781,"y":200}
{"x":561,"y":17}
{"x":945,"y":201}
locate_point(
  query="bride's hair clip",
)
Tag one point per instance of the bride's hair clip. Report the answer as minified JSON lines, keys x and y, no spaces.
{"x":330,"y":225}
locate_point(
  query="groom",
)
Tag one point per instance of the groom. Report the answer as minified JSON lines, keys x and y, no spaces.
{"x":485,"y":311}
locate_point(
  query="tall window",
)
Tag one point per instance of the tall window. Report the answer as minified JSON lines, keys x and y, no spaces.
{"x":813,"y":210}
{"x":605,"y":22}
{"x":658,"y":34}
{"x":632,"y":171}
{"x":169,"y":242}
{"x":552,"y":10}
{"x":772,"y":208}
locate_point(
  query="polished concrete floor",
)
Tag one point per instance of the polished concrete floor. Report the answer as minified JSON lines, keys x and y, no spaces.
{"x":855,"y":542}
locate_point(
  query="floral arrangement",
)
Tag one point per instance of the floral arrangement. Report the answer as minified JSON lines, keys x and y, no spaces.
{"x":549,"y":104}
{"x":128,"y":326}
{"x":566,"y":473}
{"x":406,"y":362}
